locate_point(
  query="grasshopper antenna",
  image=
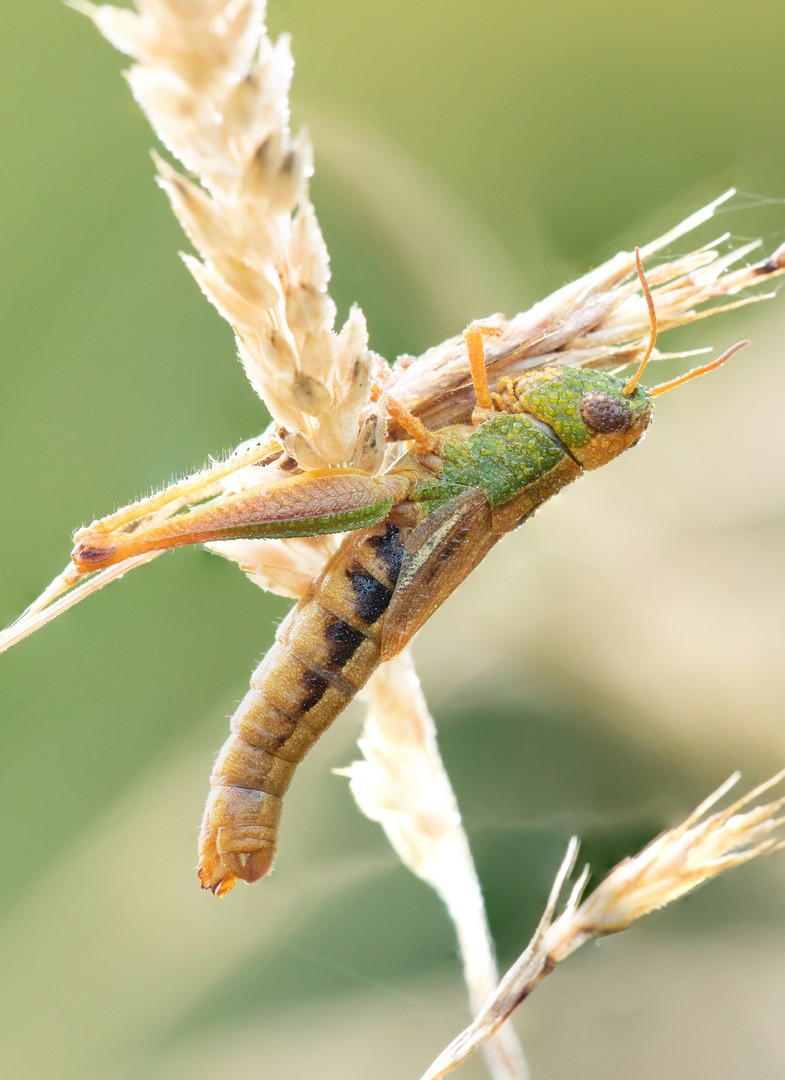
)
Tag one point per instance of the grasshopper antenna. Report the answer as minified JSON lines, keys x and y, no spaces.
{"x":663,"y":388}
{"x":633,"y":382}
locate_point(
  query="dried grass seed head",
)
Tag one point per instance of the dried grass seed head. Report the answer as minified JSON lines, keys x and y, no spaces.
{"x":673,"y":864}
{"x":215,"y":89}
{"x":599,"y":321}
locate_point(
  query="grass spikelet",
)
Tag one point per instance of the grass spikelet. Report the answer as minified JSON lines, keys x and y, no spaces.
{"x":671,"y":865}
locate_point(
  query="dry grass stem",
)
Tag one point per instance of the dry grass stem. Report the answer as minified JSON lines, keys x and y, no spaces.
{"x":402,"y":784}
{"x":675,"y":863}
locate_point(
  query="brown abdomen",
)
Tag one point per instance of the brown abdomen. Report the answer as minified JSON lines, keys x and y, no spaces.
{"x":324,"y":652}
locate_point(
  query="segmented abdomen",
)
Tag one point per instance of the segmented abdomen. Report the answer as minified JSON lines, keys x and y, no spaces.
{"x":324,"y":652}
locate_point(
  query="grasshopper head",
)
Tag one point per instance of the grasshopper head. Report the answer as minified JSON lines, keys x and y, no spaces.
{"x":589,"y":411}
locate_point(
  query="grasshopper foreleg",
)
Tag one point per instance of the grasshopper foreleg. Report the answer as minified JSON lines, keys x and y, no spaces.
{"x":473,"y":336}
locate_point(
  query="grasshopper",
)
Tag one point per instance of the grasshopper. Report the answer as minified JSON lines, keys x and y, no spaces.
{"x":412,"y":534}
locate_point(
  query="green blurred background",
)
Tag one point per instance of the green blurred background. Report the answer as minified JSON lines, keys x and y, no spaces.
{"x":605,"y":668}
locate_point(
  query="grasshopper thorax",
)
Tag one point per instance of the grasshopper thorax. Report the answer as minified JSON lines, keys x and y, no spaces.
{"x":588,"y":410}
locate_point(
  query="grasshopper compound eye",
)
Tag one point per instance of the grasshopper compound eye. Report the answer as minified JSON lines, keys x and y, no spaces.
{"x":604,"y":413}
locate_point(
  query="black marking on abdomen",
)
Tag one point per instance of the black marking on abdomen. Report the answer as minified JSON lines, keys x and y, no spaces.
{"x":371,"y":598}
{"x":346,"y":641}
{"x":389,"y":551}
{"x":317,"y":684}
